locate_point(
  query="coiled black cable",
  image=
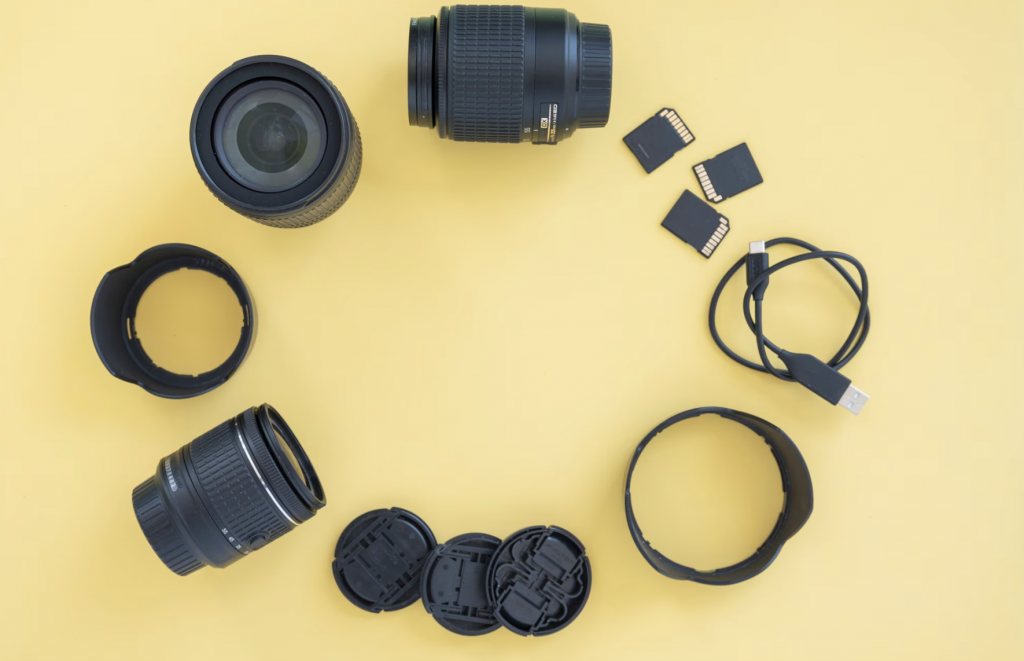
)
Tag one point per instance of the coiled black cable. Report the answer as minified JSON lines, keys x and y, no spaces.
{"x":803,"y":368}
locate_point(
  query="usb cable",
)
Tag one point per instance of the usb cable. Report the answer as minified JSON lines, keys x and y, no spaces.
{"x":821,"y":378}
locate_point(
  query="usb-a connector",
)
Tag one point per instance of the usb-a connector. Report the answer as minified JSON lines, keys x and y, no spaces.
{"x":853,"y":400}
{"x":824,"y":381}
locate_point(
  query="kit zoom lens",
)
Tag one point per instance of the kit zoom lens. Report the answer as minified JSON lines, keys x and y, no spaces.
{"x":508,"y":74}
{"x":274,"y":140}
{"x":228,"y":493}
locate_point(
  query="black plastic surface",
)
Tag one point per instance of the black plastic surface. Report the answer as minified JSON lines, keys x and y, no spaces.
{"x":508,"y":73}
{"x":658,"y":139}
{"x":697,"y":223}
{"x":113,"y":320}
{"x":454,"y":584}
{"x":317,"y":196}
{"x":379,"y":559}
{"x":796,"y":483}
{"x":728,"y":174}
{"x":212,"y":502}
{"x":539,"y":581}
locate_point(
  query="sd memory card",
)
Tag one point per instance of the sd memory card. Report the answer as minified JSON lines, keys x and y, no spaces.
{"x":728,"y":174}
{"x":697,"y":223}
{"x":658,"y":139}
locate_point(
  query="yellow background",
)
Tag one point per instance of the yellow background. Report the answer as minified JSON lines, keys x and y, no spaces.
{"x":484,"y":332}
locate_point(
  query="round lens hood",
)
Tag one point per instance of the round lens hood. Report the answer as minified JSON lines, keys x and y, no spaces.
{"x":113,"y":320}
{"x":796,"y":484}
{"x":323,"y":181}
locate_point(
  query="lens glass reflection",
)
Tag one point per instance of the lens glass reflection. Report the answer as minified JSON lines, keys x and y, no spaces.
{"x":271,"y":138}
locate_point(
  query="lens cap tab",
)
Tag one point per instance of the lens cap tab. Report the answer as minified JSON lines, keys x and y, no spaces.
{"x":113,"y":320}
{"x":535,"y":582}
{"x":380,"y":557}
{"x":796,"y":484}
{"x":454,"y":584}
{"x":539,"y":580}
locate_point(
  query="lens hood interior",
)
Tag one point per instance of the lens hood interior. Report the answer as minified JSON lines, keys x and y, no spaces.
{"x":796,"y":484}
{"x":113,"y":320}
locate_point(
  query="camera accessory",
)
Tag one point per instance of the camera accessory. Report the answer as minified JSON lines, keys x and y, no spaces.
{"x":454,"y":584}
{"x":274,"y":140}
{"x":819,"y":377}
{"x":379,"y":559}
{"x":534,"y":583}
{"x":228,"y":493}
{"x":539,"y":580}
{"x":697,"y":223}
{"x":490,"y":73}
{"x":796,"y":485}
{"x":658,"y":139}
{"x":113,"y":320}
{"x":728,"y":174}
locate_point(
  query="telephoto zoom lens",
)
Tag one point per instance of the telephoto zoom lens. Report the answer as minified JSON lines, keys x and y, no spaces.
{"x":489,"y":73}
{"x":274,"y":140}
{"x":228,"y":493}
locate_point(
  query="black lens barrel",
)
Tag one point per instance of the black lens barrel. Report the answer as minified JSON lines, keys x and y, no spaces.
{"x":508,"y":74}
{"x":310,"y":198}
{"x":226,"y":494}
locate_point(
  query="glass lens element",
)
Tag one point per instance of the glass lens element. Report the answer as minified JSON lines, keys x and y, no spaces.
{"x":272,"y":139}
{"x":290,"y":454}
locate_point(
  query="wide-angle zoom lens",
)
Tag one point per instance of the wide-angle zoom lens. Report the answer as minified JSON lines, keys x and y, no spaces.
{"x":228,"y":493}
{"x":490,"y":73}
{"x":274,"y":140}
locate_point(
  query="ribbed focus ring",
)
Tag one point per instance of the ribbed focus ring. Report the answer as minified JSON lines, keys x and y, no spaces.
{"x":488,"y":45}
{"x":160,"y":532}
{"x":595,"y":75}
{"x":236,"y":494}
{"x":271,"y":473}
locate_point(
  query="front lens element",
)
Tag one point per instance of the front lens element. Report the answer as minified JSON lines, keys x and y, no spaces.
{"x":270,"y":138}
{"x":290,"y":456}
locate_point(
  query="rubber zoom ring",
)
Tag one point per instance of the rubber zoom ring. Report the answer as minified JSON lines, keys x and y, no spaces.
{"x":488,"y":68}
{"x":226,"y":478}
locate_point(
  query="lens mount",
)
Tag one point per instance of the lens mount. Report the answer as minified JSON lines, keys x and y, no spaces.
{"x":113,"y":320}
{"x":320,"y":186}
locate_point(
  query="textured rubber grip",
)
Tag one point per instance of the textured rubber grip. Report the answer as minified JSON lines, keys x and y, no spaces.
{"x":337,"y":194}
{"x":239,"y":500}
{"x":595,"y":75}
{"x":486,"y":75}
{"x":159,"y":530}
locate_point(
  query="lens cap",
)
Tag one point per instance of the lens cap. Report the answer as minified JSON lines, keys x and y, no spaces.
{"x":539,"y":580}
{"x":454,"y":584}
{"x":380,"y":557}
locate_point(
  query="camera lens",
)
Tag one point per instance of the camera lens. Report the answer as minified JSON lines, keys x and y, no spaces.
{"x":269,"y":137}
{"x":274,"y":140}
{"x":508,"y":74}
{"x":228,"y":493}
